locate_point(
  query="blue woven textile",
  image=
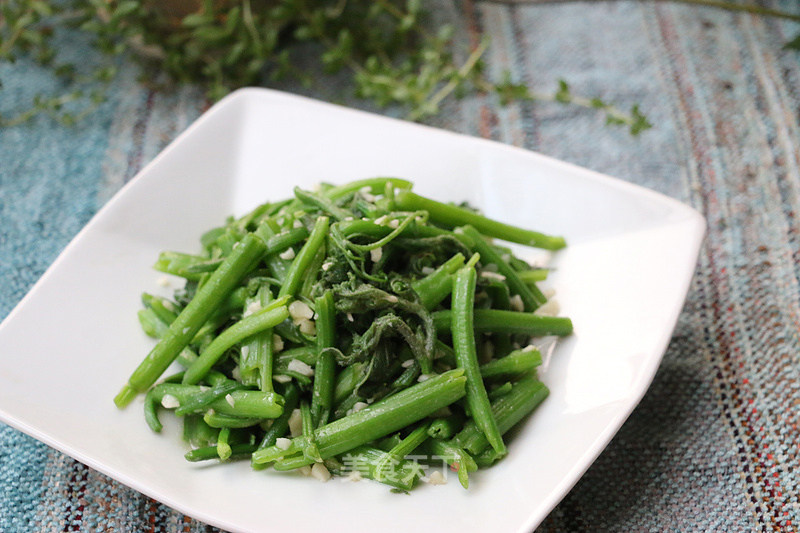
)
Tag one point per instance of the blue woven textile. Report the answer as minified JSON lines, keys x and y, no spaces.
{"x":713,"y":446}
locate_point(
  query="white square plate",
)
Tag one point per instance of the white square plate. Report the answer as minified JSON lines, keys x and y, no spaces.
{"x":72,"y":342}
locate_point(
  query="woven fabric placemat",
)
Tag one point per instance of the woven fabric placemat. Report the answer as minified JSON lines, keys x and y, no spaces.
{"x":713,"y":446}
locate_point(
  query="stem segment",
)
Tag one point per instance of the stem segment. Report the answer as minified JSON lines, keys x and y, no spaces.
{"x":221,"y":283}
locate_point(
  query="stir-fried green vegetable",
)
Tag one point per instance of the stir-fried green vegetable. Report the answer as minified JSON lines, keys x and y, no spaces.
{"x":358,"y":330}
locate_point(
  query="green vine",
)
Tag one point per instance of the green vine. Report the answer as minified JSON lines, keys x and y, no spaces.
{"x":395,"y":55}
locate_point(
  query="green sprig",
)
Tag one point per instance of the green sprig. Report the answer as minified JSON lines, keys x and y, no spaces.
{"x":635,"y":120}
{"x":395,"y":55}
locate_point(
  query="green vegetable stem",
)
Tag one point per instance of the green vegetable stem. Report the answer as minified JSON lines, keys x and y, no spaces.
{"x":349,"y":330}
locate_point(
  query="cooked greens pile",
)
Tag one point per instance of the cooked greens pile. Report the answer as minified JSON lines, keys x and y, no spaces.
{"x":346,"y":330}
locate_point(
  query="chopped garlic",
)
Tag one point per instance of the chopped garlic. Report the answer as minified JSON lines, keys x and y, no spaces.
{"x":376,"y":254}
{"x":428,"y":270}
{"x":355,"y":476}
{"x":252,"y":307}
{"x":282,"y":378}
{"x":549,"y":308}
{"x":170,"y":402}
{"x":230,"y":400}
{"x":326,"y":265}
{"x":366,"y":193}
{"x":287,"y":254}
{"x":277,"y":343}
{"x":394,"y":223}
{"x":163,"y":281}
{"x":487,"y":352}
{"x":423,"y":377}
{"x":516,"y":303}
{"x":407,"y":363}
{"x":299,"y":310}
{"x":283,"y":443}
{"x":319,"y":472}
{"x":307,"y":327}
{"x":305,"y":470}
{"x":297,"y":223}
{"x":295,"y":365}
{"x":296,"y":423}
{"x":436,"y":478}
{"x":245,"y":351}
{"x":357,"y":407}
{"x":492,"y":275}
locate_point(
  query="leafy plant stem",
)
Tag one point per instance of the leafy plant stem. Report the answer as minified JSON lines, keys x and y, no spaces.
{"x":613,"y":113}
{"x":747,"y":8}
{"x":8,"y":45}
{"x":507,"y":91}
{"x":720,"y":4}
{"x":450,"y":86}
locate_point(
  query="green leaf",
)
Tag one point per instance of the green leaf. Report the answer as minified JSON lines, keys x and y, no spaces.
{"x":234,"y":54}
{"x":563,"y":94}
{"x":46,"y":55}
{"x":193,"y":20}
{"x":406,"y":23}
{"x":25,"y":20}
{"x":97,"y":97}
{"x":270,"y":36}
{"x":67,"y":119}
{"x":640,"y":122}
{"x":42,"y":8}
{"x":91,"y":26}
{"x":794,"y":44}
{"x":445,"y":32}
{"x":32,"y":38}
{"x":508,"y":91}
{"x":66,"y":70}
{"x":211,"y":34}
{"x":232,"y":20}
{"x":598,"y":103}
{"x":124,"y":9}
{"x":303,"y":33}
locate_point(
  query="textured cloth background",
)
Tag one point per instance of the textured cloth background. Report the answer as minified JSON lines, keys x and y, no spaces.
{"x":713,"y":446}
